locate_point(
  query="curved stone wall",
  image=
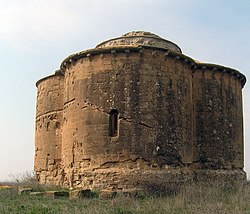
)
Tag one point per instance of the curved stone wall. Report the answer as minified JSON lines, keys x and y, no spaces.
{"x":218,"y":118}
{"x":126,"y":116}
{"x":152,"y":94}
{"x":48,"y":132}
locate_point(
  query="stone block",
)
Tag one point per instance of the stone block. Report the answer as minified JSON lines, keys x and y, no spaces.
{"x":24,"y":190}
{"x":57,"y":194}
{"x":79,"y":194}
{"x":37,"y":193}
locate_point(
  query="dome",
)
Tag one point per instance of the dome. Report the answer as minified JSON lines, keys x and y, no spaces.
{"x":140,"y":38}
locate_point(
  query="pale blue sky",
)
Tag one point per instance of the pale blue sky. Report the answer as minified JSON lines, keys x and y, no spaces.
{"x":36,"y":35}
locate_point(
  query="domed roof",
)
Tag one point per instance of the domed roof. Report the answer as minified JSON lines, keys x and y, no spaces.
{"x":137,"y":38}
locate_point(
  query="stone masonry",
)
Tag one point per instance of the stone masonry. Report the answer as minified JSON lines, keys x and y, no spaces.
{"x":135,"y":112}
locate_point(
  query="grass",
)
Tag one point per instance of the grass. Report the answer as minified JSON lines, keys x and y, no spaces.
{"x":191,"y":199}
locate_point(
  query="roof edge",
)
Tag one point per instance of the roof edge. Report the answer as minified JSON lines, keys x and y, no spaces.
{"x":119,"y":49}
{"x":57,"y":73}
{"x":151,"y":37}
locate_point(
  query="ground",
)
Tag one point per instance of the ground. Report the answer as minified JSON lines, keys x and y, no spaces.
{"x":191,"y":199}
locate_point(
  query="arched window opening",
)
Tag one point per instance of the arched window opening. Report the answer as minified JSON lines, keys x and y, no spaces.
{"x":113,"y":123}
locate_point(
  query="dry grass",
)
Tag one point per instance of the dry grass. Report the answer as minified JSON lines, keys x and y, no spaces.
{"x":5,"y":187}
{"x":191,"y":199}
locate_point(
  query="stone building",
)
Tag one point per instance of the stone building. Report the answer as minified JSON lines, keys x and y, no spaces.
{"x":135,"y":111}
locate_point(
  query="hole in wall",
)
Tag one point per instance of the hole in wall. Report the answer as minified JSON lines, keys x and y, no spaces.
{"x":113,"y":123}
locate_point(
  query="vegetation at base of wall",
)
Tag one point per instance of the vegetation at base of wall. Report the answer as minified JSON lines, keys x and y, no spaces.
{"x":190,"y":199}
{"x":28,"y":179}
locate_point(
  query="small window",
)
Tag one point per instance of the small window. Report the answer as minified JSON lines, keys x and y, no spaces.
{"x":113,"y":123}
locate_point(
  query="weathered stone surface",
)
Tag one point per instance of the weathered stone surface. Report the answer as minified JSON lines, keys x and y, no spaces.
{"x":57,"y":194}
{"x":124,"y":116}
{"x":37,"y":193}
{"x":136,"y":38}
{"x":79,"y":194}
{"x":227,"y":178}
{"x":24,"y":190}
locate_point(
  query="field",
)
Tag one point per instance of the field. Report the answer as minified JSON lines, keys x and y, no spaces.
{"x":191,"y":199}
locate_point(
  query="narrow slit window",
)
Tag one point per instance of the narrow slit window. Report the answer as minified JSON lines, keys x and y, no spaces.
{"x":113,"y":123}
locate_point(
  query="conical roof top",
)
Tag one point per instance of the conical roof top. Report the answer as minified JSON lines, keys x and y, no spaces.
{"x":140,"y":38}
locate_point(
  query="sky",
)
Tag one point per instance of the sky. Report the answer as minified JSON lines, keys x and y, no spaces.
{"x":36,"y":35}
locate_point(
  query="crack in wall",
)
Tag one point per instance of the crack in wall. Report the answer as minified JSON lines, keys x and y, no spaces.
{"x":69,"y":102}
{"x":143,"y":124}
{"x":48,"y":113}
{"x":95,"y":107}
{"x":129,"y":120}
{"x":120,"y":117}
